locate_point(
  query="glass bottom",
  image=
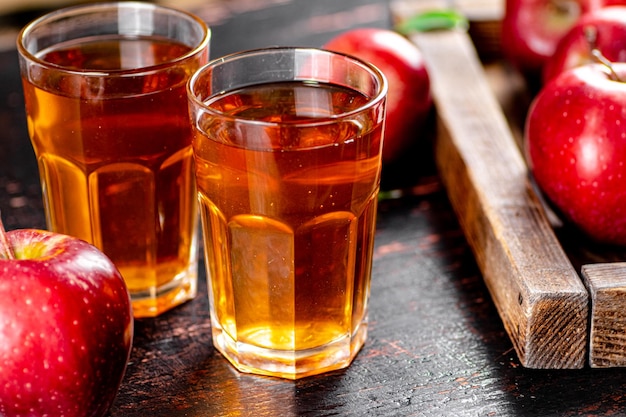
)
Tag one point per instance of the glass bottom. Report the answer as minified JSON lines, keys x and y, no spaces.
{"x":337,"y":354}
{"x":157,"y":300}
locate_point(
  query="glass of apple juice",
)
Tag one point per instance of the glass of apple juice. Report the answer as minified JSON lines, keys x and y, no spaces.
{"x":287,"y":144}
{"x":104,"y":88}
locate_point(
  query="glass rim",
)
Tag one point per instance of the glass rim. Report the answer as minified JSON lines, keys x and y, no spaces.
{"x":77,"y":10}
{"x":313,"y":121}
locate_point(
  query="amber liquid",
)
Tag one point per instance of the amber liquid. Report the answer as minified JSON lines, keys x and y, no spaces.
{"x":116,"y":162}
{"x":289,"y":217}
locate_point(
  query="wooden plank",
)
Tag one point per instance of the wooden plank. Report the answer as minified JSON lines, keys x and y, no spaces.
{"x":539,"y":296}
{"x":607,"y":287}
{"x":485,"y":18}
{"x":474,"y":10}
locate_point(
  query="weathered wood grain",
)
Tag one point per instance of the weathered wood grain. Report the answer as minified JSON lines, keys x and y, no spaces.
{"x":539,"y":296}
{"x":607,"y":287}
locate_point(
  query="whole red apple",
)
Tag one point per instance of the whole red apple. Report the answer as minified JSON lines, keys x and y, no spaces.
{"x":575,"y":139}
{"x":409,"y":99}
{"x":531,"y":30}
{"x":66,"y":327}
{"x":603,"y":29}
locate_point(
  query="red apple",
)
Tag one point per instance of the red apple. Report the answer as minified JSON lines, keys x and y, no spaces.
{"x":575,"y":139}
{"x":409,"y":98}
{"x":531,"y":29}
{"x":603,"y":29}
{"x":66,"y":326}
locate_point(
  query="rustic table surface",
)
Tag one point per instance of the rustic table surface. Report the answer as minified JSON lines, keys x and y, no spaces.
{"x":436,"y":344}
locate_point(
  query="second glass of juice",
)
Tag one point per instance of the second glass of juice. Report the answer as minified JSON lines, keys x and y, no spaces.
{"x":104,"y":87}
{"x":288,"y":157}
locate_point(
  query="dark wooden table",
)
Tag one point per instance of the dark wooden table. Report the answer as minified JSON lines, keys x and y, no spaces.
{"x":436,"y":345}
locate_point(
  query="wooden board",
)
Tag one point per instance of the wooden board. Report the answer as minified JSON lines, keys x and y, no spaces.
{"x":538,"y":293}
{"x":607,"y":288}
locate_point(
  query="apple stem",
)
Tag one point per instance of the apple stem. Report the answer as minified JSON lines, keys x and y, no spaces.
{"x":6,"y":251}
{"x":591,"y":34}
{"x":608,"y":64}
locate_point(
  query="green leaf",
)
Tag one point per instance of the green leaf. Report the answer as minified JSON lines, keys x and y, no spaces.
{"x":433,"y":20}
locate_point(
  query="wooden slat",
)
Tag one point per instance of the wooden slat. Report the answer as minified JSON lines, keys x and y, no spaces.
{"x":484,"y":15}
{"x":539,"y":296}
{"x":607,"y":287}
{"x":475,"y":10}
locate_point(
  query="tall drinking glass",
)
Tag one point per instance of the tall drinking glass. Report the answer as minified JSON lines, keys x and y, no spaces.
{"x":104,"y":87}
{"x":287,"y":147}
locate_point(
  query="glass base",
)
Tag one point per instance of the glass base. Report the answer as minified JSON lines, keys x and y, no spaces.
{"x":289,"y":364}
{"x":158,"y":300}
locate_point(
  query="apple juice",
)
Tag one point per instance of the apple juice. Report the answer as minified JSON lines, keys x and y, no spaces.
{"x":289,"y":215}
{"x":115,"y":159}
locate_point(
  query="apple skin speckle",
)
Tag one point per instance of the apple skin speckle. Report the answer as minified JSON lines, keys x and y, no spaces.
{"x":57,"y":357}
{"x":576,"y":150}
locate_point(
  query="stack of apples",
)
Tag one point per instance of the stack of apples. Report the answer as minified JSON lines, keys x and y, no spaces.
{"x":575,"y":132}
